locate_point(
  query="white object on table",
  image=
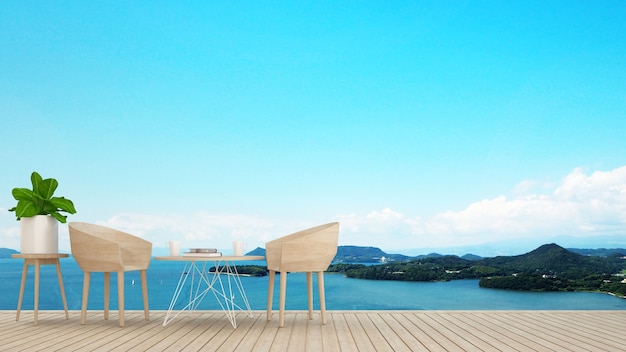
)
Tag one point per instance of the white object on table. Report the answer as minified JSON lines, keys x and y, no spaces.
{"x":238,"y":248}
{"x":174,"y":248}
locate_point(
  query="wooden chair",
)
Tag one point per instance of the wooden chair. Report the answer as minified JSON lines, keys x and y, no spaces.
{"x":310,"y":250}
{"x":101,"y":249}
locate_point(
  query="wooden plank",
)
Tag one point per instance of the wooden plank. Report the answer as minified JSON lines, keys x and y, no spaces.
{"x":74,"y":335}
{"x":345,"y":331}
{"x":21,"y":335}
{"x":330,"y":340}
{"x":126,"y":338}
{"x":498,"y":332}
{"x":7,"y":316}
{"x":17,"y":333}
{"x":512,"y":333}
{"x":377,"y":339}
{"x":266,"y":333}
{"x":259,"y":327}
{"x":479,"y":338}
{"x":420,"y":320}
{"x":102,"y":328}
{"x":451,"y":335}
{"x":566,"y":338}
{"x":281,"y":339}
{"x":193,"y":329}
{"x":612,"y":317}
{"x":613,"y":321}
{"x":589,"y":334}
{"x":297,"y":340}
{"x":313,"y":335}
{"x":569,"y":339}
{"x":220,"y":337}
{"x":238,"y":335}
{"x":160,"y":337}
{"x":344,"y":335}
{"x":412,"y":325}
{"x":513,"y":319}
{"x":205,"y":335}
{"x":391,"y":336}
{"x":361,"y":338}
{"x":400,"y":333}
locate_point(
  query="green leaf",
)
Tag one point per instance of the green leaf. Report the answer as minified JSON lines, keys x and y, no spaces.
{"x":47,"y":207}
{"x":47,"y":188}
{"x":63,"y":204}
{"x":22,"y":194}
{"x":40,"y":200}
{"x":62,"y":219}
{"x":39,"y":203}
{"x":25,"y":209}
{"x":35,"y":180}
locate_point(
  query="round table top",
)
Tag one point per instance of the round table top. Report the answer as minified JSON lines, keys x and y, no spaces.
{"x":230,"y":258}
{"x":40,"y":255}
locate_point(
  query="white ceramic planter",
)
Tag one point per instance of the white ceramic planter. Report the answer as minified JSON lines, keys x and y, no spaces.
{"x":40,"y":234}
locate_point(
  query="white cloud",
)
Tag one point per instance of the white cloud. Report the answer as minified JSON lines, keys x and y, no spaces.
{"x":386,"y":215}
{"x":199,"y":229}
{"x":579,"y":205}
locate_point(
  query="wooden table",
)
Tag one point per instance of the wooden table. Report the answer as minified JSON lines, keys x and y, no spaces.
{"x":37,"y":260}
{"x":211,"y":281}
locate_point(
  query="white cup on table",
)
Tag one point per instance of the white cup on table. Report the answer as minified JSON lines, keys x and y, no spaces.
{"x":174,"y":248}
{"x":238,"y":248}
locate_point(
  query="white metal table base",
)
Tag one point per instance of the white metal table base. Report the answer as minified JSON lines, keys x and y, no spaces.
{"x":204,"y":281}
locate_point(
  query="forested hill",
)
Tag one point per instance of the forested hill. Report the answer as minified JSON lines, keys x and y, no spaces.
{"x":549,"y":259}
{"x":600,"y":252}
{"x":549,"y":267}
{"x":552,"y":258}
{"x":357,"y":254}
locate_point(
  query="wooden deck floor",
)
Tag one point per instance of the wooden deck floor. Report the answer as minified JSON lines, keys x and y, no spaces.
{"x":345,"y":331}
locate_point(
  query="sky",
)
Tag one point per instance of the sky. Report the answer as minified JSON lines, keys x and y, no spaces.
{"x":452,"y":126}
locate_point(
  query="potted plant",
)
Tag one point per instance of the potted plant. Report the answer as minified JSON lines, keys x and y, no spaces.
{"x":39,"y":213}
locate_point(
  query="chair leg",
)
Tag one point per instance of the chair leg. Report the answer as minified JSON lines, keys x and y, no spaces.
{"x":270,"y":293}
{"x":120,"y":296}
{"x":309,"y":288}
{"x":320,"y":286}
{"x":144,"y":291}
{"x":283,"y":294}
{"x":83,"y":310}
{"x":107,"y":294}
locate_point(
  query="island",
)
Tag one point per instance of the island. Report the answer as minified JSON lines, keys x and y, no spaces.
{"x":547,"y":268}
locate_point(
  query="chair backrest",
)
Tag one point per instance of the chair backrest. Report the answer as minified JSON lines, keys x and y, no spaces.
{"x":102,"y":249}
{"x":312,"y":249}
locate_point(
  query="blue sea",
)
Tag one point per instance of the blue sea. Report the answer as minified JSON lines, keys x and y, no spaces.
{"x":341,"y":293}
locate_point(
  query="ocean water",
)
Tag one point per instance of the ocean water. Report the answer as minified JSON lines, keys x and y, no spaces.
{"x":341,"y":293}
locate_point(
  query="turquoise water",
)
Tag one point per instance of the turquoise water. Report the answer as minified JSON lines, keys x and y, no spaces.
{"x":341,"y":293}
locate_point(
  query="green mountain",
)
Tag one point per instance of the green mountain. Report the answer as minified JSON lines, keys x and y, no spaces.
{"x":554,"y":259}
{"x":6,"y":253}
{"x":547,"y":268}
{"x":600,"y":252}
{"x":541,"y":258}
{"x":356,"y":254}
{"x":257,"y":251}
